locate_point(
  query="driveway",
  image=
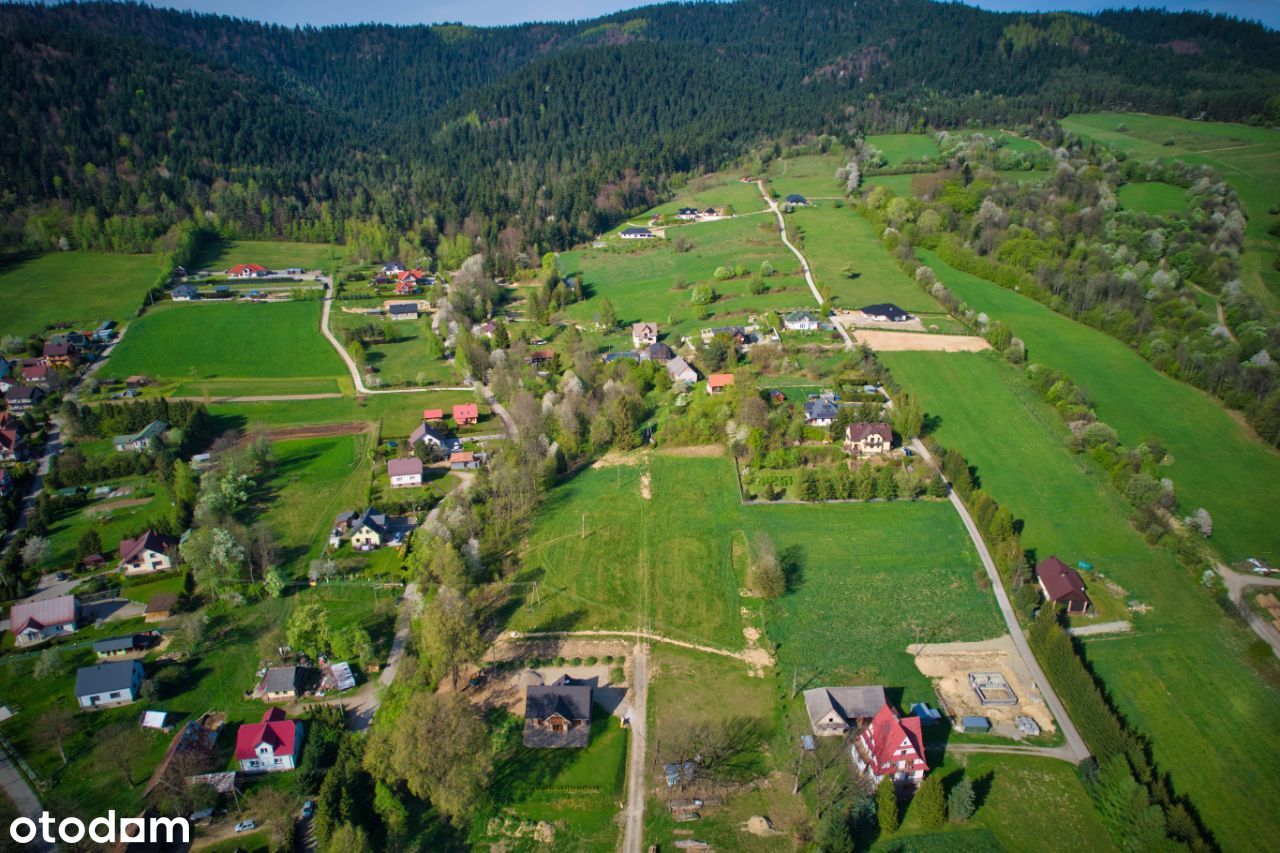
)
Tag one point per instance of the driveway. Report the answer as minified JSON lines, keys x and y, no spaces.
{"x":1237,"y":584}
{"x":633,"y":816}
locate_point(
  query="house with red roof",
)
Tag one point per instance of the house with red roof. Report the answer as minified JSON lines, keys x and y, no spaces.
{"x":151,"y":552}
{"x":868,"y":439}
{"x":1062,"y":584}
{"x":34,"y":621}
{"x":12,"y":446}
{"x":248,"y":271}
{"x":717,"y":382}
{"x":467,"y":413}
{"x":271,"y":746}
{"x":433,"y":414}
{"x":891,"y":747}
{"x":37,"y":374}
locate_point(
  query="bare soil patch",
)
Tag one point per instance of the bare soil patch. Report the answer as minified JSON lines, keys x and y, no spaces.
{"x":694,"y":451}
{"x":305,"y":431}
{"x":886,"y":341}
{"x":949,"y":665}
{"x":110,"y":506}
{"x":645,"y":491}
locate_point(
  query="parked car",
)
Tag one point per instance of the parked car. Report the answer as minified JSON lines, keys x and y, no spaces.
{"x":308,"y":809}
{"x":245,"y":826}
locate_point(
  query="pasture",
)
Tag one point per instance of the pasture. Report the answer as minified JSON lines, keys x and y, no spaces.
{"x":228,"y":341}
{"x":396,"y":414}
{"x":1215,"y":464}
{"x":1153,"y":198}
{"x":836,"y":237}
{"x":899,"y":147}
{"x":1169,"y":676}
{"x":401,"y":360}
{"x":867,"y":581}
{"x":79,"y":288}
{"x":1247,"y":157}
{"x":642,"y":283}
{"x":811,"y":175}
{"x":715,"y":190}
{"x":218,"y":255}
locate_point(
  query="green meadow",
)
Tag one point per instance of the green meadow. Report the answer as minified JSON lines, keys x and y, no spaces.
{"x":865,"y":579}
{"x":898,"y":147}
{"x":811,"y":175}
{"x":1181,"y":675}
{"x":1215,"y":463}
{"x":1154,"y":198}
{"x":79,"y":288}
{"x":402,"y":360}
{"x":228,"y":341}
{"x":112,"y":519}
{"x":715,"y":190}
{"x":219,"y":255}
{"x":396,"y":414}
{"x":1247,"y":157}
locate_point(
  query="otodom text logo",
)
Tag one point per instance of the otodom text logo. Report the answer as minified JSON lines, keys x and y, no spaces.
{"x":102,"y":830}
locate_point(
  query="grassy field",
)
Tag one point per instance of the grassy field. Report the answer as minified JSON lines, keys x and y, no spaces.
{"x":227,"y":342}
{"x":276,"y":255}
{"x":811,"y":175}
{"x":1180,"y":676}
{"x":898,"y":147}
{"x":402,"y":360}
{"x":715,"y":190}
{"x":397,"y":414}
{"x":835,"y":237}
{"x":1247,"y":157}
{"x":1153,"y":197}
{"x":666,"y":560}
{"x":80,"y":288}
{"x":313,"y":480}
{"x":1215,"y":464}
{"x":640,"y":284}
{"x":867,"y":577}
{"x":112,"y":524}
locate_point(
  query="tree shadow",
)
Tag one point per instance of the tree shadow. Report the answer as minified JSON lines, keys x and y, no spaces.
{"x":931,"y":424}
{"x":792,"y":559}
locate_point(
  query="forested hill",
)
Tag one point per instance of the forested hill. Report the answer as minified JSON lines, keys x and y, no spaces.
{"x":122,"y":120}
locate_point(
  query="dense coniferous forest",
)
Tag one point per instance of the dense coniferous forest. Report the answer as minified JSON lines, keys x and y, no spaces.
{"x":123,"y":120}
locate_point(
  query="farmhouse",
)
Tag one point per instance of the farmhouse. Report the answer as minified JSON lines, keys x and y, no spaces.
{"x":1062,"y":584}
{"x":370,"y":529}
{"x":835,"y":710}
{"x":681,"y":371}
{"x":185,"y":293}
{"x":393,"y":268}
{"x":149,"y":553}
{"x":405,"y":472}
{"x":37,"y":374}
{"x":687,"y":213}
{"x":270,"y":746}
{"x":891,"y":747}
{"x":539,"y":357}
{"x":22,"y":398}
{"x":34,"y":621}
{"x":403,"y":310}
{"x":106,"y":684}
{"x":466,"y":414}
{"x":557,"y":715}
{"x":428,"y":435}
{"x":405,"y":288}
{"x":658,"y":352}
{"x":248,"y":271}
{"x":801,"y":321}
{"x":637,"y":234}
{"x":280,"y":684}
{"x":886,"y":312}
{"x":820,"y":411}
{"x":141,"y":440}
{"x":868,"y":439}
{"x":717,"y":382}
{"x":643,"y":334}
{"x":58,"y":355}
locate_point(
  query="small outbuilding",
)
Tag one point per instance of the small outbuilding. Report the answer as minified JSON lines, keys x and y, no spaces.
{"x":975,"y":725}
{"x":1063,"y":585}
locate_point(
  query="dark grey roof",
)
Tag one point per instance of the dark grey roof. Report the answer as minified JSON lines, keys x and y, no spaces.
{"x":851,"y":703}
{"x":796,"y":198}
{"x":570,"y":702}
{"x":376,"y":521}
{"x":404,"y":308}
{"x":820,"y":408}
{"x":660,"y":350}
{"x":281,"y":679}
{"x":116,"y":644}
{"x":105,"y":677}
{"x":636,"y":231}
{"x":886,"y":309}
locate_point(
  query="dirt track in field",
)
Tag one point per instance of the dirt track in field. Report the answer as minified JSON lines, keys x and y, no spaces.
{"x":307,"y":431}
{"x":883,"y":341}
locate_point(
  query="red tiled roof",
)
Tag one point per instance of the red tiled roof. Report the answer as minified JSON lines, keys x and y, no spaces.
{"x":9,"y":439}
{"x":275,"y":729}
{"x":857,"y":432}
{"x":461,"y":456}
{"x":433,"y":414}
{"x":239,"y":269}
{"x":889,"y":733}
{"x":1060,"y":581}
{"x":467,"y":411}
{"x":41,"y":614}
{"x":720,"y":380}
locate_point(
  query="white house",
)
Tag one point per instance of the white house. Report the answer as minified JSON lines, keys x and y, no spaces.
{"x":681,"y":371}
{"x":149,"y":553}
{"x":108,"y":684}
{"x":33,"y":621}
{"x":637,"y":234}
{"x":405,"y":472}
{"x":644,"y":334}
{"x":270,"y":746}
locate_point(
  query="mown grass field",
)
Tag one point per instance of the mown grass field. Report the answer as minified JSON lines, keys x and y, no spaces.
{"x":1180,"y":677}
{"x":80,"y":288}
{"x":867,"y":578}
{"x":227,"y":342}
{"x":1247,"y":157}
{"x":112,"y":524}
{"x":715,"y":190}
{"x":1215,"y":463}
{"x":666,"y":560}
{"x":640,"y":282}
{"x":835,"y":237}
{"x":898,"y":147}
{"x":402,"y":360}
{"x":272,"y":254}
{"x":1153,"y":197}
{"x":396,"y":414}
{"x":313,"y":480}
{"x":811,"y":175}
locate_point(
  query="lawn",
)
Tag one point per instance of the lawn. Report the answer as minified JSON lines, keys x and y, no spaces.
{"x":402,"y":361}
{"x":227,"y":342}
{"x":898,"y":147}
{"x":80,"y":288}
{"x":313,"y":480}
{"x":641,"y":283}
{"x":834,"y":238}
{"x":869,"y":580}
{"x":1246,"y":157}
{"x":219,"y":255}
{"x":112,"y":524}
{"x":398,"y":414}
{"x":665,"y":561}
{"x":1154,"y":198}
{"x":1180,"y":676}
{"x":715,"y":190}
{"x":1215,"y":463}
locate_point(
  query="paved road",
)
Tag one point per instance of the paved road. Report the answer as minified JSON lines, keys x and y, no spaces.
{"x":404,"y":624}
{"x":1237,"y":584}
{"x":1075,"y":743}
{"x":53,"y":444}
{"x":23,"y":797}
{"x":498,"y":409}
{"x":633,"y":827}
{"x":782,"y":230}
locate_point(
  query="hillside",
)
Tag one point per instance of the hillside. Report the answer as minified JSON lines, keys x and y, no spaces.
{"x":550,"y":131}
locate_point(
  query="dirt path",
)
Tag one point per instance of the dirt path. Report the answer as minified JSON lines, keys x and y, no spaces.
{"x":1122,"y":627}
{"x":1061,"y":753}
{"x":98,"y":509}
{"x":752,"y":657}
{"x":262,"y":398}
{"x":306,"y":431}
{"x":782,"y":232}
{"x":885,"y":341}
{"x":1237,"y":584}
{"x":633,"y":815}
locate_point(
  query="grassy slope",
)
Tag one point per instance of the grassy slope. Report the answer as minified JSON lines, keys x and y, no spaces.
{"x":227,"y":341}
{"x":112,"y":526}
{"x":1153,"y":197}
{"x":1247,"y":157}
{"x":82,"y":288}
{"x":811,"y":175}
{"x":1216,"y":465}
{"x":272,"y":254}
{"x":868,"y":575}
{"x":904,"y":146}
{"x":834,"y":237}
{"x":1180,"y":676}
{"x":398,"y":414}
{"x":402,"y":361}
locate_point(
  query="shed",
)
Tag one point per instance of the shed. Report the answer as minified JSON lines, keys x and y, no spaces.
{"x":975,"y":725}
{"x":155,"y":720}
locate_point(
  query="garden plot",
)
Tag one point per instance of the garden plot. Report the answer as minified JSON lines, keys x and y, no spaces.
{"x":885,"y":341}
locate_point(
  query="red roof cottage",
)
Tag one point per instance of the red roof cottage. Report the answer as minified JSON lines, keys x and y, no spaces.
{"x":1061,"y":584}
{"x":269,"y":746}
{"x":433,"y":414}
{"x":891,"y":746}
{"x":717,"y":382}
{"x":33,"y":621}
{"x":247,"y":271}
{"x":468,"y":413}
